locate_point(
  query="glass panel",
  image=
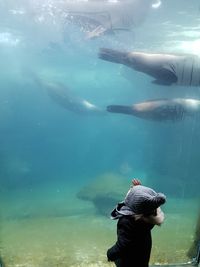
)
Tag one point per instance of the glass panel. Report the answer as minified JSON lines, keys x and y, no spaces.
{"x":66,"y":159}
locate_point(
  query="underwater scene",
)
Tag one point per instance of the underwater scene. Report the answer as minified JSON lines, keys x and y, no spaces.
{"x":94,"y":93}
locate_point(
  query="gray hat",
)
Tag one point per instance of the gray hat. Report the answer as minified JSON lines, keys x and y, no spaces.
{"x":139,"y":200}
{"x":143,"y":200}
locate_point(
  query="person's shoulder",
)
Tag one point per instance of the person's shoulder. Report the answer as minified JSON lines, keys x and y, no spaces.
{"x":127,"y":224}
{"x":126,"y":220}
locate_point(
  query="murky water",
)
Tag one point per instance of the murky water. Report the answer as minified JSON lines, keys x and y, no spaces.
{"x":63,"y":166}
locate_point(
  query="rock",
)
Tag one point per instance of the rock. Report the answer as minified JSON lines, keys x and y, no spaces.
{"x":105,"y":192}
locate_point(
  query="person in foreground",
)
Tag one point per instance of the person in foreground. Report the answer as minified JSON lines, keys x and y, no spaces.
{"x":137,"y":215}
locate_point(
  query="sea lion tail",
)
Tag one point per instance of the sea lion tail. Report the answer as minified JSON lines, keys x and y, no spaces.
{"x":112,"y":55}
{"x":120,"y":109}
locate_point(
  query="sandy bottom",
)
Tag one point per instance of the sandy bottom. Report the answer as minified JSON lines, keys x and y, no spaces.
{"x":55,"y":234}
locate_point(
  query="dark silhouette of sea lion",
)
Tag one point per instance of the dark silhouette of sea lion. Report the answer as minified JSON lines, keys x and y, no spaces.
{"x":161,"y":109}
{"x":65,"y":98}
{"x":94,"y":25}
{"x":166,"y":69}
{"x":111,"y":15}
{"x":62,"y":96}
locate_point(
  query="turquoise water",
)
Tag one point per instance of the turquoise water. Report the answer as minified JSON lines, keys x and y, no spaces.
{"x":61,"y":172}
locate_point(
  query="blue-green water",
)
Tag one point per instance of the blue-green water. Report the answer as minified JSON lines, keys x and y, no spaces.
{"x":57,"y":168}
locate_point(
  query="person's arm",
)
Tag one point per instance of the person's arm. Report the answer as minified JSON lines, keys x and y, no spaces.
{"x":157,"y":219}
{"x":125,"y":239}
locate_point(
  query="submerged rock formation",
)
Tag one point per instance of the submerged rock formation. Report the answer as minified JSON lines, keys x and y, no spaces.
{"x":105,"y":192}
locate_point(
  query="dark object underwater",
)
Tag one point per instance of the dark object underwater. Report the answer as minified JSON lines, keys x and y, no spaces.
{"x":1,"y":263}
{"x":166,"y":69}
{"x":175,"y":109}
{"x":194,"y":251}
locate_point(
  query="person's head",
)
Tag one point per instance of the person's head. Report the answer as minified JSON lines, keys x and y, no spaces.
{"x":144,"y":203}
{"x":141,"y":202}
{"x":144,"y":200}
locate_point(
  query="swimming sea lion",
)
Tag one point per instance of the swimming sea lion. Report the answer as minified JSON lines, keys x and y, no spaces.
{"x":97,"y":18}
{"x":118,"y":14}
{"x":67,"y":100}
{"x":167,"y":69}
{"x":161,"y":109}
{"x":63,"y":96}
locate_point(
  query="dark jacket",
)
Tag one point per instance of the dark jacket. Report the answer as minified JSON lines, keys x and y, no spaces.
{"x":133,"y":246}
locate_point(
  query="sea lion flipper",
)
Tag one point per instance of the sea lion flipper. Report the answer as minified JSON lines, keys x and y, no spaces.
{"x":165,"y":76}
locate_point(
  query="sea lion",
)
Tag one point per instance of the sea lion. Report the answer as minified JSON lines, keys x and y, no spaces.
{"x":62,"y":96}
{"x":97,"y":18}
{"x":117,"y":14}
{"x":166,"y":69}
{"x":95,"y":27}
{"x":161,"y":109}
{"x":65,"y":98}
